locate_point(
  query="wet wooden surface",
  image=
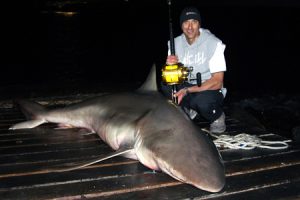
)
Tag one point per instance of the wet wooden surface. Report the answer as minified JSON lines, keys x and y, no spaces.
{"x":25,"y":154}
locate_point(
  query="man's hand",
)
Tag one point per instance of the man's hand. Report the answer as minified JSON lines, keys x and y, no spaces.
{"x":172,"y":59}
{"x":181,"y":94}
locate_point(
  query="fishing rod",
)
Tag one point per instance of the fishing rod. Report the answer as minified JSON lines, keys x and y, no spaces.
{"x":172,"y":41}
{"x":177,"y":73}
{"x":173,"y":74}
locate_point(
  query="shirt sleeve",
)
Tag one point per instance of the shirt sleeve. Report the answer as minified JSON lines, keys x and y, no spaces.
{"x":217,"y":62}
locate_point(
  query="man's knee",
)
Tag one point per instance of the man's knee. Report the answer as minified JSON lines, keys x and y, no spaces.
{"x":207,"y":105}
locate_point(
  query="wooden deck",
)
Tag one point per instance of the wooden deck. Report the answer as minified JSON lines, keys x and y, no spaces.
{"x":250,"y":174}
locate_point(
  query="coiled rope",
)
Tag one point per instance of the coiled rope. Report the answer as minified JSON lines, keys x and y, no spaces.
{"x":247,"y":142}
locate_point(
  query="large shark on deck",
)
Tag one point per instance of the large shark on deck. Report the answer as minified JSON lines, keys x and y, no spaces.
{"x":141,"y":125}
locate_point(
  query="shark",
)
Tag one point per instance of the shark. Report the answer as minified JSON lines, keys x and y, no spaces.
{"x":141,"y":125}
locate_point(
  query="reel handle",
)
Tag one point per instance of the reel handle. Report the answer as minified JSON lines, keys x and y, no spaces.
{"x":199,"y":79}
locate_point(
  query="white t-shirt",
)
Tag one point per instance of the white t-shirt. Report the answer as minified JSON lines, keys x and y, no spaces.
{"x":205,"y":55}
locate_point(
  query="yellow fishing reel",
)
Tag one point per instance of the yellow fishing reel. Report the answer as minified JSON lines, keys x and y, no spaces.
{"x":174,"y":74}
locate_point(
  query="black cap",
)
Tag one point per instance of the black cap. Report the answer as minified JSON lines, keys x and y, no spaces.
{"x":189,"y":13}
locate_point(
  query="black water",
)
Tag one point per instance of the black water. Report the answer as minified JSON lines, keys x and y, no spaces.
{"x":114,"y":43}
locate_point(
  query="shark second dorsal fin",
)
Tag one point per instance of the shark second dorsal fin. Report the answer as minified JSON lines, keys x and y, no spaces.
{"x":150,"y":84}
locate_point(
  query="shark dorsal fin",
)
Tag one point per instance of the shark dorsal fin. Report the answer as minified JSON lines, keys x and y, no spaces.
{"x":150,"y":84}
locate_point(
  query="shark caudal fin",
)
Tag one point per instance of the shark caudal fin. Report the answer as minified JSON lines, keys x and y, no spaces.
{"x":150,"y":84}
{"x":33,"y":112}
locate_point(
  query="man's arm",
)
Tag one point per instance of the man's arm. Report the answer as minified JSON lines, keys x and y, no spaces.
{"x":214,"y":83}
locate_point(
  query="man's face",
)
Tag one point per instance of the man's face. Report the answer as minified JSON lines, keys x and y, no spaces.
{"x":190,"y":29}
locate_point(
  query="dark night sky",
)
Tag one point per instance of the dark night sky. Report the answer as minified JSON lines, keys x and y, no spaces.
{"x":117,"y":41}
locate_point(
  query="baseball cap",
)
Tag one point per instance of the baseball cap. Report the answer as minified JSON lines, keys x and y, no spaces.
{"x":189,"y":13}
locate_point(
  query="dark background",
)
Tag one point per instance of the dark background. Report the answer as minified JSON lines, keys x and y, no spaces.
{"x":114,"y":42}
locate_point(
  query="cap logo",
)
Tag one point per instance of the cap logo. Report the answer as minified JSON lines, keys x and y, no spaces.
{"x":191,"y":13}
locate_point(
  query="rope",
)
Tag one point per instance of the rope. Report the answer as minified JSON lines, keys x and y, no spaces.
{"x":247,"y":142}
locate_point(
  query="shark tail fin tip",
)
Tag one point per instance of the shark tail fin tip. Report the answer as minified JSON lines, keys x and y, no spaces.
{"x":27,"y":124}
{"x":30,"y":109}
{"x":33,"y":111}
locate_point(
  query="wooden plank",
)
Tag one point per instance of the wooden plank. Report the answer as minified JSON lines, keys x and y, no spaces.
{"x":48,"y":156}
{"x":46,"y":140}
{"x":102,"y":173}
{"x":57,"y":147}
{"x":281,"y":191}
{"x":28,"y":169}
{"x":263,"y":181}
{"x":112,"y":182}
{"x":56,"y":156}
{"x":118,"y":173}
{"x":25,"y":154}
{"x":232,"y":168}
{"x":151,"y":186}
{"x":35,"y":155}
{"x":262,"y":163}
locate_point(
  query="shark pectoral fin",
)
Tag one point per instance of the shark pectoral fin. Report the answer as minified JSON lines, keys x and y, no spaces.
{"x":28,"y":124}
{"x":79,"y":165}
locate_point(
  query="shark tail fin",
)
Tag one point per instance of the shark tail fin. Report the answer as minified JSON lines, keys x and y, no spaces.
{"x":83,"y":164}
{"x":150,"y":84}
{"x":30,"y":109}
{"x":33,"y":112}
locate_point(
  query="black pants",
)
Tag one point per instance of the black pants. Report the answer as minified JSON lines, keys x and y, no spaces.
{"x":207,"y":103}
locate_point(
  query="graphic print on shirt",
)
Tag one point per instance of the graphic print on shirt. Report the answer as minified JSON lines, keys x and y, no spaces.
{"x":193,"y":59}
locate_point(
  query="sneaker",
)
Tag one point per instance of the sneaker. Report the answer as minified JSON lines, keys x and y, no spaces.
{"x":190,"y":112}
{"x":218,"y":126}
{"x":193,"y":114}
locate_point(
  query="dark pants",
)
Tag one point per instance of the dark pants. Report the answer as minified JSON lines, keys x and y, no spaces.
{"x":208,"y":104}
